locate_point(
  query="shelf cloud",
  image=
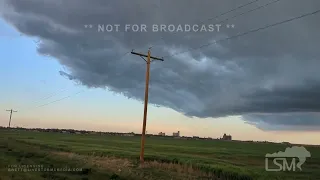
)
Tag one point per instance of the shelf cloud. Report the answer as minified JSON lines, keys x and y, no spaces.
{"x":270,"y":77}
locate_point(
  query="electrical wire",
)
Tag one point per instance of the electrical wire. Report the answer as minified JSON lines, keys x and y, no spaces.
{"x":55,"y":101}
{"x":46,"y":104}
{"x":216,"y":17}
{"x":247,"y":32}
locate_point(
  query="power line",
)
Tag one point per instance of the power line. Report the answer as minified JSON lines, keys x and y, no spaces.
{"x":48,"y":96}
{"x":239,"y":7}
{"x":53,"y":94}
{"x":257,"y":8}
{"x":246,"y":12}
{"x":124,"y":55}
{"x":46,"y":104}
{"x":248,"y":32}
{"x":216,"y":17}
{"x":66,"y":97}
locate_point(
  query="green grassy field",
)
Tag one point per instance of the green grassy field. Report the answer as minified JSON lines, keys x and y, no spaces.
{"x":116,"y":157}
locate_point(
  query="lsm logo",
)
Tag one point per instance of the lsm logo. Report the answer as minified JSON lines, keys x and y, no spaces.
{"x":280,"y":159}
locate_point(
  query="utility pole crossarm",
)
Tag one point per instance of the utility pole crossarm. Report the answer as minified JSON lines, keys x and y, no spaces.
{"x":143,"y":55}
{"x":11,"y":111}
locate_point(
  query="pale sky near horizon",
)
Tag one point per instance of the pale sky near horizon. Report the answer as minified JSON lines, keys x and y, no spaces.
{"x":31,"y":84}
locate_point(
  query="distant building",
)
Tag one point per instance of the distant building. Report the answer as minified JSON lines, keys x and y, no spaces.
{"x":162,"y":134}
{"x":227,"y":137}
{"x":177,"y":134}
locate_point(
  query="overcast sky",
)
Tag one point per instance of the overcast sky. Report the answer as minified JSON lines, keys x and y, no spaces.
{"x":270,"y":78}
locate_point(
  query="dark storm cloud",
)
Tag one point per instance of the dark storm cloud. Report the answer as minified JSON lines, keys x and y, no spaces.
{"x":66,"y":75}
{"x":273,"y":71}
{"x":285,"y":121}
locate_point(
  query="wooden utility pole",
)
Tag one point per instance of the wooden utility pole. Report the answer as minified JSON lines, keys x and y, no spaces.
{"x":143,"y":134}
{"x":11,"y":111}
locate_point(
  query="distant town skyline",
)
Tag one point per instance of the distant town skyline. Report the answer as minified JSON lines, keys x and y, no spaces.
{"x":225,"y":137}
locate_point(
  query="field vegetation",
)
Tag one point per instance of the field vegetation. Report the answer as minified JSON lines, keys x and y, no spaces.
{"x":116,"y":157}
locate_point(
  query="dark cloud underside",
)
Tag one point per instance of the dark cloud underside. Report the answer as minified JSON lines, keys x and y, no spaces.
{"x":274,"y":72}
